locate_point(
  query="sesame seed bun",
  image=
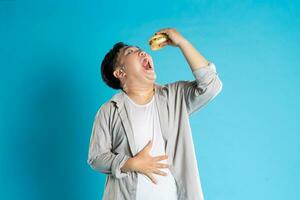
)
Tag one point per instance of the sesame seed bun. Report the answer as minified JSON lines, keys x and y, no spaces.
{"x":156,"y":40}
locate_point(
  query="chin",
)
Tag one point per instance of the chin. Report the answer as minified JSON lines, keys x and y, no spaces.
{"x":151,"y":80}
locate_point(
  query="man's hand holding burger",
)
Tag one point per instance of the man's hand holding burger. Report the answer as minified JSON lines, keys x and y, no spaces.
{"x":169,"y":36}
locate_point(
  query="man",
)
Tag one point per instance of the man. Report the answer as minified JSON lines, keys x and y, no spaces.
{"x":141,"y":137}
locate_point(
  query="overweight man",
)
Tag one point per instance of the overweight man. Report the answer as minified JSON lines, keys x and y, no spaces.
{"x":141,"y":137}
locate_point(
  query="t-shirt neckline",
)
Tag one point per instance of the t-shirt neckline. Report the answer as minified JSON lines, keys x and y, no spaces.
{"x":140,"y":105}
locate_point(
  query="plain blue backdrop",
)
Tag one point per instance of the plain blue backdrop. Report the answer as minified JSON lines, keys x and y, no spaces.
{"x":247,"y":139}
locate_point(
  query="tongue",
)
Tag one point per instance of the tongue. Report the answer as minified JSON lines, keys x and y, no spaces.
{"x":146,"y":64}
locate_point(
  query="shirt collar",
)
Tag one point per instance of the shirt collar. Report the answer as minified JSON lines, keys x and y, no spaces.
{"x":118,"y":98}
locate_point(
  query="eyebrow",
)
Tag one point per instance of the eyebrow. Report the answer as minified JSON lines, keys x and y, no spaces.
{"x":124,"y":51}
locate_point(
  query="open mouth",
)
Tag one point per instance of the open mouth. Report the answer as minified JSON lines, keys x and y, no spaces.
{"x":146,"y":64}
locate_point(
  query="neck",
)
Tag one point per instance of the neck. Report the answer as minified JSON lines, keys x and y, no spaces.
{"x":140,"y":95}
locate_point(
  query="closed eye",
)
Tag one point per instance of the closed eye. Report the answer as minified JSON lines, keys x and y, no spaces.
{"x":131,"y":50}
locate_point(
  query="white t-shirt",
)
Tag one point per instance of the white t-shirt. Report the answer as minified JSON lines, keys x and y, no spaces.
{"x":145,"y":123}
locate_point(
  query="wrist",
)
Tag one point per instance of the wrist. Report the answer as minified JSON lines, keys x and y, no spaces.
{"x":182,"y":43}
{"x":128,"y":166}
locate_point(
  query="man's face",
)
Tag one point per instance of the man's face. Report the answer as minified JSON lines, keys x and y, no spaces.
{"x":137,"y":65}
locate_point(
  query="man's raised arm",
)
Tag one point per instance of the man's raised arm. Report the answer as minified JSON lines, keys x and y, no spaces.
{"x":193,"y":57}
{"x":206,"y":85}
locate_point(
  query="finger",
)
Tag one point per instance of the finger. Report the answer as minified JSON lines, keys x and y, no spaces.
{"x":148,"y":145}
{"x":165,"y":43}
{"x":161,"y":165}
{"x":158,"y":158}
{"x":151,"y":177}
{"x":159,"y":172}
{"x":163,"y":30}
{"x":162,"y":44}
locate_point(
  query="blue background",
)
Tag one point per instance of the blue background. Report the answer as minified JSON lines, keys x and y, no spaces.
{"x":247,"y":139}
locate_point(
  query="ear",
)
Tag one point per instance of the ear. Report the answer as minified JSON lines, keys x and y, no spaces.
{"x":116,"y":73}
{"x":119,"y":73}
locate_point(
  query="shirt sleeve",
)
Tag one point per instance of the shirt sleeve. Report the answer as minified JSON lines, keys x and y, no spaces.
{"x":100,"y":156}
{"x":206,"y":86}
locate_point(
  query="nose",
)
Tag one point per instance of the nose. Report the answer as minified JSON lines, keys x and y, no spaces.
{"x":142,"y":53}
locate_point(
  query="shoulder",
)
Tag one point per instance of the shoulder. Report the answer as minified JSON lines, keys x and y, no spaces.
{"x":104,"y":110}
{"x":176,"y":87}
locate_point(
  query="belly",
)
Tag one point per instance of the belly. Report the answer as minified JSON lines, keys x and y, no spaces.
{"x":164,"y":189}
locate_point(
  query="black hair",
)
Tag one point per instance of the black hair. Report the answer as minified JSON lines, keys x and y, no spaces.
{"x":108,"y":66}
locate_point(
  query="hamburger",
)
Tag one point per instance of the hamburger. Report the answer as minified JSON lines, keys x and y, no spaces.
{"x":156,"y":40}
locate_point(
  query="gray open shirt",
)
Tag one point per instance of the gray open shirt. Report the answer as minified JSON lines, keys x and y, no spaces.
{"x":112,"y":142}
